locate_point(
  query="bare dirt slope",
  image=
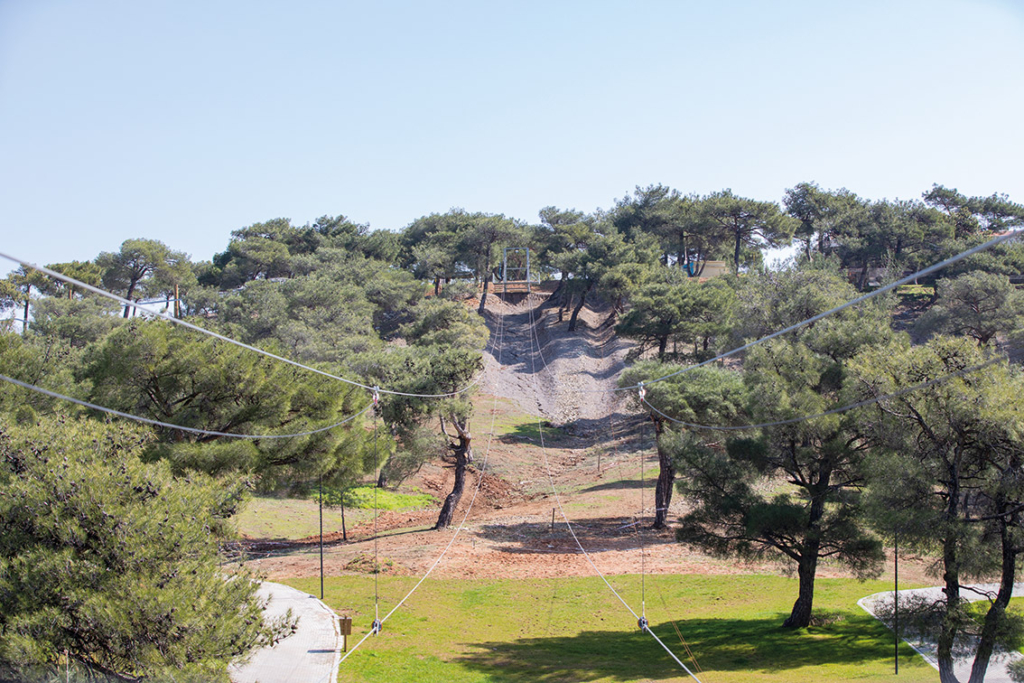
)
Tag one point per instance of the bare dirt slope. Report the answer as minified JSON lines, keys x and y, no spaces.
{"x":569,"y":380}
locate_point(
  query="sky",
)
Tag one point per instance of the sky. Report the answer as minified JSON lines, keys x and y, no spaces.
{"x":184,"y":120}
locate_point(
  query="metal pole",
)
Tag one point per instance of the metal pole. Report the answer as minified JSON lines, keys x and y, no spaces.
{"x":321,"y":535}
{"x":896,"y":599}
{"x":528,"y":290}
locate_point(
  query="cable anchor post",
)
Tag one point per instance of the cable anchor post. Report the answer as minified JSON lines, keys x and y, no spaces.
{"x":376,"y":399}
{"x":642,"y":392}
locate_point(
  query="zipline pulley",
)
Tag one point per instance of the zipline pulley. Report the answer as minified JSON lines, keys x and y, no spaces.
{"x":642,"y":623}
{"x":376,"y":626}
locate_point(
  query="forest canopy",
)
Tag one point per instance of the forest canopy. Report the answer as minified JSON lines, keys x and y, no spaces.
{"x":683,"y":278}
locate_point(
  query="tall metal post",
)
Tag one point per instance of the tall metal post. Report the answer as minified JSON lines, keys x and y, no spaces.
{"x":527,"y":270}
{"x":321,"y":535}
{"x":896,"y":599}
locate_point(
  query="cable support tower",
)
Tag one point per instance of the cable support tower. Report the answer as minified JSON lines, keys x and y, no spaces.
{"x":640,"y":619}
{"x":843,"y":409}
{"x":168,"y":425}
{"x":376,"y":626}
{"x":639,"y":534}
{"x":853,"y":302}
{"x":229,"y":340}
{"x":378,"y":622}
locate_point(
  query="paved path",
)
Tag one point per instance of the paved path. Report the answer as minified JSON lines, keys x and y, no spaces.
{"x":310,"y":655}
{"x":996,"y":672}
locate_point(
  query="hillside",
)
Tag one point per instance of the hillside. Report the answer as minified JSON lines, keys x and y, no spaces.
{"x":598,"y":452}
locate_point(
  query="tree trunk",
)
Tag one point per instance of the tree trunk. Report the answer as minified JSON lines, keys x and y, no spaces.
{"x":558,"y":291}
{"x":736,"y":252}
{"x":800,"y":617}
{"x":565,"y":290}
{"x":128,"y":296}
{"x":666,"y":480}
{"x":995,"y":618}
{"x":483,"y":296}
{"x":344,"y":532}
{"x":487,"y":278}
{"x":576,"y":311}
{"x":437,"y":285}
{"x":28,"y":297}
{"x":807,"y":565}
{"x":382,"y":478}
{"x":662,"y":345}
{"x":863,"y":277}
{"x":463,"y":456}
{"x":951,"y":577}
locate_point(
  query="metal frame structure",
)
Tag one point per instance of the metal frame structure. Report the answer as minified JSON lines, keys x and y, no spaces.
{"x":515,"y":269}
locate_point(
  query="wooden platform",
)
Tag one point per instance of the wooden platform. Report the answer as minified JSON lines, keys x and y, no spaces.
{"x":510,"y":287}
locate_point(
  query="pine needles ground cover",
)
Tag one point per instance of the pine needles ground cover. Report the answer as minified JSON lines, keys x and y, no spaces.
{"x":574,"y":629}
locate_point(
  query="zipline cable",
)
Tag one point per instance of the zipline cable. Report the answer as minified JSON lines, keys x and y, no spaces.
{"x":641,"y":621}
{"x":853,"y":302}
{"x":483,"y":468}
{"x":168,"y":425}
{"x":215,"y":335}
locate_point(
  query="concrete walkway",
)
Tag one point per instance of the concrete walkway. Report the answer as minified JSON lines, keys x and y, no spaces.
{"x":962,"y":666}
{"x":310,"y":655}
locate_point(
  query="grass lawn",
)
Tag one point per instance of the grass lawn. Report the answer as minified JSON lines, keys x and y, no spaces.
{"x":291,"y":518}
{"x":574,"y":629}
{"x":915,"y":294}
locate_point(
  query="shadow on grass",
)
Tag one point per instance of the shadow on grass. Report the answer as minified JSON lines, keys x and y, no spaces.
{"x":596,"y":534}
{"x":620,"y":485}
{"x":529,"y":431}
{"x":753,"y":645}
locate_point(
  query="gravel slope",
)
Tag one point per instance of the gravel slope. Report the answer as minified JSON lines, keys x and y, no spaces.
{"x":568,"y":382}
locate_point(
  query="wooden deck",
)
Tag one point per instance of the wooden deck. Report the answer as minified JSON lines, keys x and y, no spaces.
{"x":510,"y":287}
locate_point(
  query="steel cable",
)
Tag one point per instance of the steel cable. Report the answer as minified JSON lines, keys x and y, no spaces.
{"x":229,"y":340}
{"x":168,"y":425}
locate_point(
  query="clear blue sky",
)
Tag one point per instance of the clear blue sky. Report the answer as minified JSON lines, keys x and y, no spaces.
{"x":184,"y":120}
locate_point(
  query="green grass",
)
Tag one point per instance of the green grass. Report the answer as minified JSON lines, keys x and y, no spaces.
{"x":363,"y":497}
{"x":295,"y":518}
{"x":509,"y":421}
{"x":290,"y":518}
{"x":574,"y":629}
{"x":915,"y":294}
